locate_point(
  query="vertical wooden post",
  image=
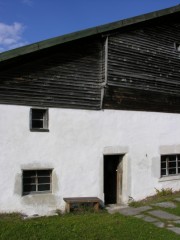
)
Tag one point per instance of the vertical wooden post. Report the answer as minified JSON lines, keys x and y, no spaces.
{"x":105,"y":70}
{"x":67,"y":207}
{"x":96,"y":206}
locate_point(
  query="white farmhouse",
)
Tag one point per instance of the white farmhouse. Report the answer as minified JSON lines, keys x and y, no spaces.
{"x":94,"y":113}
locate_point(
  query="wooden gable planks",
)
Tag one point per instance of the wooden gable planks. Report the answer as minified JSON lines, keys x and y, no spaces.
{"x":144,"y":68}
{"x":69,"y":77}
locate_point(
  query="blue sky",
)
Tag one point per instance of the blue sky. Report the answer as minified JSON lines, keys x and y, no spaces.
{"x":24,"y":22}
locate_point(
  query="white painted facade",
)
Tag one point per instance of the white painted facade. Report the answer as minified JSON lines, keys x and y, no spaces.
{"x":74,"y":149}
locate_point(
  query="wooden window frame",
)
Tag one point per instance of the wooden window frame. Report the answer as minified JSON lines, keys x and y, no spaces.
{"x":45,"y":120}
{"x":166,"y":165}
{"x":177,"y":46}
{"x":36,"y":182}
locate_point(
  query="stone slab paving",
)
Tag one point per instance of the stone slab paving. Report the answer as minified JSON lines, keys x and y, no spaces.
{"x":165,"y":204}
{"x":175,"y":229}
{"x":130,"y":211}
{"x":177,"y":221}
{"x":159,"y":224}
{"x":115,"y":208}
{"x":155,"y":221}
{"x":140,"y":216}
{"x":177,"y":199}
{"x":170,"y":225}
{"x":149,"y":219}
{"x":140,"y":213}
{"x":164,"y":215}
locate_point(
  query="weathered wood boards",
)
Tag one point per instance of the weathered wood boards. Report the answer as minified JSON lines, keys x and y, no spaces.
{"x":138,"y":68}
{"x":144,"y":68}
{"x":67,"y":76}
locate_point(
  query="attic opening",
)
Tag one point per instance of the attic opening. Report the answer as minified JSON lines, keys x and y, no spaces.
{"x":38,"y":119}
{"x":177,"y":46}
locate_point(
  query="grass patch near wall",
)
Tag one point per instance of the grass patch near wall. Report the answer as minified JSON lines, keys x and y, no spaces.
{"x":164,"y":195}
{"x":176,"y":210}
{"x":86,"y":226}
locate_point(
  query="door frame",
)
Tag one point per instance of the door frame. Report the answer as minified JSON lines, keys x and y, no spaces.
{"x":126,"y":178}
{"x":117,"y":173}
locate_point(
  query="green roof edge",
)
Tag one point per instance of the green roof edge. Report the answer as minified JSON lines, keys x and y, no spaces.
{"x":85,"y":33}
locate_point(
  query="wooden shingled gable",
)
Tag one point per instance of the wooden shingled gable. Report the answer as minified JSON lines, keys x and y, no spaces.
{"x":103,"y":29}
{"x":132,"y":64}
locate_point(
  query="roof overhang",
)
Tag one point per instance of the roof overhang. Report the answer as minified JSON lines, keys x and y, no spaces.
{"x":103,"y":29}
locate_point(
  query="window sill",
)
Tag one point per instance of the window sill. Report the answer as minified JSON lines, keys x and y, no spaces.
{"x":39,"y":130}
{"x":169,"y":178}
{"x":37,"y":193}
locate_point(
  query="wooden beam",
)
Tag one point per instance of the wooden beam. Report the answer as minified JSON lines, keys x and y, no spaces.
{"x":105,"y":70}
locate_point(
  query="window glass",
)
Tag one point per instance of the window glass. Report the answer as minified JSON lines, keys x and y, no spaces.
{"x":43,"y":179}
{"x":44,"y":187}
{"x":35,"y":181}
{"x":163,"y":172}
{"x":37,"y":124}
{"x":38,"y":119}
{"x":170,"y":164}
{"x":29,"y":188}
{"x":38,"y":113}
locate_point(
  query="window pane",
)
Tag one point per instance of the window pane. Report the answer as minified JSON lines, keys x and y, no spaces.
{"x":163,"y":172}
{"x":44,"y":187}
{"x":43,"y":172}
{"x":29,"y":188}
{"x":172,"y":165}
{"x":29,"y":180}
{"x":29,"y":173}
{"x":178,"y":170}
{"x":44,"y":180}
{"x":163,"y":165}
{"x":163,"y":158}
{"x":37,"y":113}
{"x":37,"y":123}
{"x":171,"y":158}
{"x":178,"y":163}
{"x":172,"y":171}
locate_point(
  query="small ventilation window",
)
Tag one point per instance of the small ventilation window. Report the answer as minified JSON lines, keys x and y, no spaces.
{"x":38,"y":119}
{"x":177,"y":47}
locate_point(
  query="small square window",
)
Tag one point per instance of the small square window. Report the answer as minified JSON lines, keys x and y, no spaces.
{"x":38,"y":119}
{"x":37,"y":181}
{"x":177,"y":47}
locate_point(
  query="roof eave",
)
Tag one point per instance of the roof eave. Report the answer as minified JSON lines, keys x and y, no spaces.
{"x":86,"y":33}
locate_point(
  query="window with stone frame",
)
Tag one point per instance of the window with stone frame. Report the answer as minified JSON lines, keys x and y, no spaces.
{"x":170,"y":165}
{"x":37,"y":181}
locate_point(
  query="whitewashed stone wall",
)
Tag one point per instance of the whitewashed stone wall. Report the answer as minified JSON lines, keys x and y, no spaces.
{"x":74,"y":149}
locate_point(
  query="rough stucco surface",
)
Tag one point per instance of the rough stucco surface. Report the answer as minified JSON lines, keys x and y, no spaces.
{"x":74,"y":149}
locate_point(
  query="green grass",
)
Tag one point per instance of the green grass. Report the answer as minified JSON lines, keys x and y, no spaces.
{"x":161,"y":196}
{"x":88,"y":225}
{"x":176,"y":210}
{"x":95,"y":226}
{"x":155,"y":199}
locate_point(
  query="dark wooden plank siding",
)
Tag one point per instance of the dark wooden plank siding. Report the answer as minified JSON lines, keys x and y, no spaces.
{"x":144,"y":68}
{"x":67,"y":76}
